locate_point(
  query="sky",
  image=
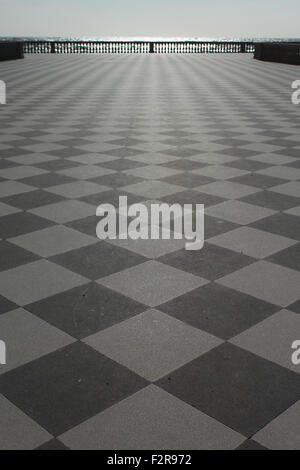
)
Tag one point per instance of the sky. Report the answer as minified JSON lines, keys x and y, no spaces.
{"x":151,"y":18}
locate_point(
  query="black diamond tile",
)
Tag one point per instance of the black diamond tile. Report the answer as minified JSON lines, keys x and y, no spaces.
{"x":65,"y":152}
{"x":192,"y":197}
{"x":12,"y":256}
{"x":289,"y":257}
{"x":295,"y":307}
{"x":121,"y":164}
{"x":180,"y":152}
{"x":184,"y":165}
{"x":73,"y":143}
{"x":56,"y":165}
{"x":188,"y":180}
{"x":248,"y":165}
{"x":177,"y":133}
{"x":214,"y":227}
{"x":282,"y":142}
{"x":125,"y":142}
{"x":179,"y":141}
{"x":85,"y":310}
{"x":291,"y":152}
{"x":281,"y":224}
{"x":24,"y":142}
{"x":111,"y":197}
{"x":6,"y":163}
{"x":46,"y":180}
{"x":13,"y":152}
{"x":295,"y":164}
{"x":99,"y":260}
{"x":217,"y":132}
{"x":87,"y":225}
{"x":271,"y":200}
{"x":218,"y":310}
{"x":121,"y":152}
{"x":258,"y":181}
{"x":54,"y":444}
{"x":32,"y":199}
{"x":116,"y":180}
{"x":20,"y":223}
{"x":232,"y":142}
{"x":249,"y":444}
{"x":240,"y":389}
{"x":6,"y":305}
{"x":126,"y":133}
{"x":76,"y":382}
{"x":211,"y":262}
{"x":238,"y":152}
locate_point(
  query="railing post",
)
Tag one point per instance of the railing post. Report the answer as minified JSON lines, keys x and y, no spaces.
{"x":243,"y":47}
{"x":52,"y":47}
{"x":151,"y":47}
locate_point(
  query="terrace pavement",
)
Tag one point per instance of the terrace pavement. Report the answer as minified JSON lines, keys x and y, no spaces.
{"x":147,"y":345}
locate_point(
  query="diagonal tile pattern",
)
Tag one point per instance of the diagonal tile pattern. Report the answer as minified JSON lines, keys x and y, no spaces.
{"x":142,"y":344}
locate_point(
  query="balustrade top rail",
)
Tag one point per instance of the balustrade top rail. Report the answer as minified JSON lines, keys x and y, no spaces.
{"x":135,"y":47}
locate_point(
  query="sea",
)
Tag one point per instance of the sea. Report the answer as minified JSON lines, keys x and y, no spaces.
{"x":146,"y":38}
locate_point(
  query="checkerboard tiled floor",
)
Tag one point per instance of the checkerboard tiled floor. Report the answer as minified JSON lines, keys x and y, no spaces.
{"x":143,"y":345}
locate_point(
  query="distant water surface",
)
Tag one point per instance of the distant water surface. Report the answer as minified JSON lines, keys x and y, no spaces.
{"x":144,"y":38}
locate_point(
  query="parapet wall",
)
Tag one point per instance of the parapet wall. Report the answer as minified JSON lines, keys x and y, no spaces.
{"x":11,"y":50}
{"x":287,"y":53}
